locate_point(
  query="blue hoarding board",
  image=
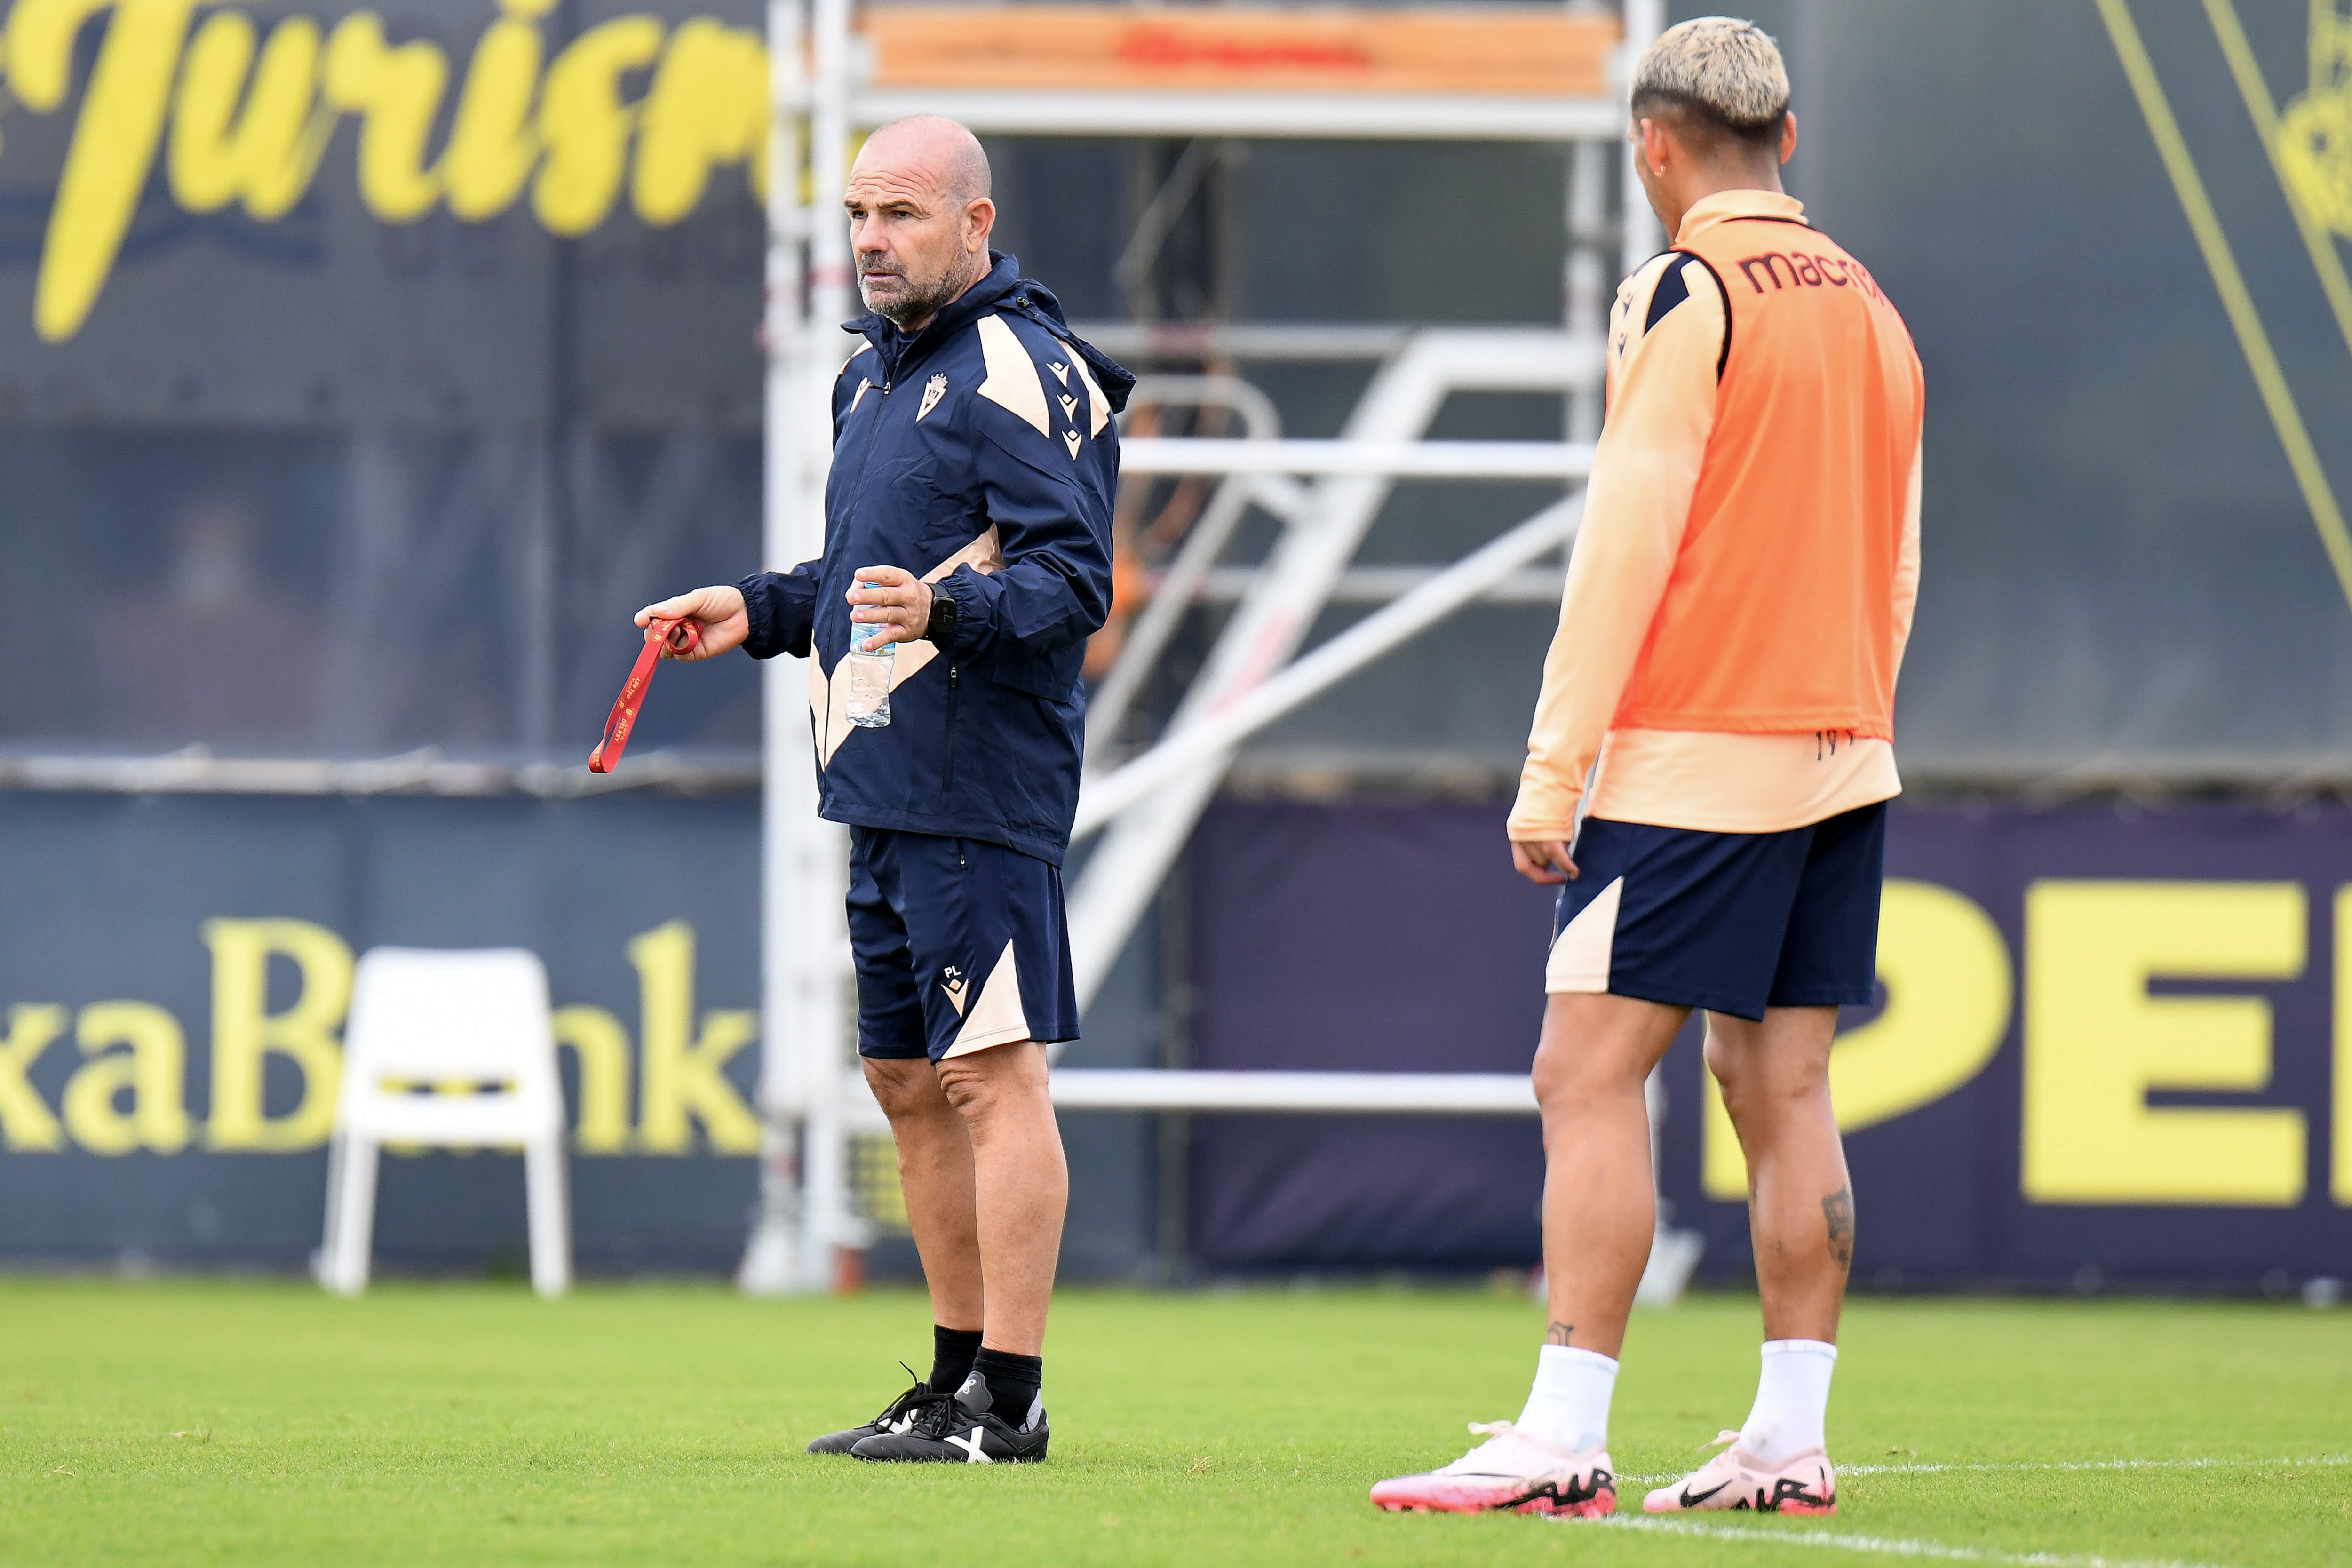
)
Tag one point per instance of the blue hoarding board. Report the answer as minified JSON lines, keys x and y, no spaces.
{"x":2112,"y":1047}
{"x":174,"y":971}
{"x":2109,"y":1050}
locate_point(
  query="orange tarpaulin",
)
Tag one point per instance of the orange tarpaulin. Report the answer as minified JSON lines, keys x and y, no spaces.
{"x":1509,"y":52}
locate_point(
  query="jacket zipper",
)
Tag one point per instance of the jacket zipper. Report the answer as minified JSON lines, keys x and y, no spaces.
{"x":948,"y":785}
{"x":865,"y":462}
{"x":866,"y":459}
{"x":849,"y":507}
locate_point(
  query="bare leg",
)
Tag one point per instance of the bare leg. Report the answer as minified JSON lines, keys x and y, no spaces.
{"x":1600,"y":1203}
{"x":1021,"y":1185}
{"x":1775,"y":1085}
{"x":935,"y":1169}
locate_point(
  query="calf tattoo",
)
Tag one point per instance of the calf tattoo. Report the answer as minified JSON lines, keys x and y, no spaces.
{"x":1838,"y":1210}
{"x":1558,"y":1334}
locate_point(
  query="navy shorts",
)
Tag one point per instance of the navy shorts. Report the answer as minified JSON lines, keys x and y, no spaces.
{"x":960,"y":945}
{"x":1732,"y":923}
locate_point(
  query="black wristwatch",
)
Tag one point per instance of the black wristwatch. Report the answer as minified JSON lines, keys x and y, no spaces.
{"x":942,"y":630}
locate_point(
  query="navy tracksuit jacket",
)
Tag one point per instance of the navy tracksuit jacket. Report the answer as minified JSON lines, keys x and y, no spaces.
{"x":980,"y":454}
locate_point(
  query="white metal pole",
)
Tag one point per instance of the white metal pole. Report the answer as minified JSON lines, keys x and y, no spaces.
{"x":785,"y":797}
{"x":1673,"y":1252}
{"x":821,"y":869}
{"x":1316,"y":1093}
{"x":1645,"y":20}
{"x":804,"y":953}
{"x":1586,"y":306}
{"x":1386,"y":459}
{"x":1149,"y":633}
{"x":1119,"y":881}
{"x":1301,"y":682}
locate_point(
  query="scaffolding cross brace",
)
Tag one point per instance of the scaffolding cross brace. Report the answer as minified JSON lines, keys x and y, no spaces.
{"x":1111,"y":70}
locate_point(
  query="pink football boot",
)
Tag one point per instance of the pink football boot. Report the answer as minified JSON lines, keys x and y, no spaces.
{"x":1510,"y":1471}
{"x":1733,"y":1481}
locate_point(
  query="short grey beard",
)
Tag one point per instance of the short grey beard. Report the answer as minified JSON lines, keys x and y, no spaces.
{"x":923,"y":307}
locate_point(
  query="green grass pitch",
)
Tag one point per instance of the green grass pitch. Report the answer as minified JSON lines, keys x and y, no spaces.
{"x":213,"y":1422}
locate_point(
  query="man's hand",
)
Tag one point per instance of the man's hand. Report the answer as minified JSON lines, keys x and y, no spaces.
{"x":898,"y":602}
{"x":725,"y":622}
{"x":1543,"y":860}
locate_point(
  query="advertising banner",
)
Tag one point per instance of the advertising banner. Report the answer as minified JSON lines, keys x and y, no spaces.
{"x":173,"y":984}
{"x":175,"y":970}
{"x":2113,"y":1047}
{"x":324,"y":216}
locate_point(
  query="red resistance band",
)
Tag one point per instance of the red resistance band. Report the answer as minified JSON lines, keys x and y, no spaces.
{"x":678,"y":637}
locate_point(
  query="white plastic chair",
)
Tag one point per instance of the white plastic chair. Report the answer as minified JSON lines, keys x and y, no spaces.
{"x":428,"y":1017}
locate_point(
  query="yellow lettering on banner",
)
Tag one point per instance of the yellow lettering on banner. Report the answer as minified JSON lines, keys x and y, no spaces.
{"x":397,"y":92}
{"x":2340,"y":1183}
{"x":586,"y":126}
{"x":113,"y":146}
{"x":2314,"y":131}
{"x":269,"y":154}
{"x":708,"y":106}
{"x":245,"y":1033}
{"x":26,"y":1121}
{"x":1949,"y":995}
{"x":249,"y":120}
{"x":680,"y":1080}
{"x":494,"y":144}
{"x":41,"y":35}
{"x":152,"y":1072}
{"x":2096,"y":1042}
{"x":601,"y":1047}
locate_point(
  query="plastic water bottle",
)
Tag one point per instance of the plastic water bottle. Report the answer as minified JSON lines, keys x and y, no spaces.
{"x":869,"y":672}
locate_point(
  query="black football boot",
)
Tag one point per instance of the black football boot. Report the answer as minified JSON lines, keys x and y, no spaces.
{"x":902,"y":1414}
{"x":963,"y":1430}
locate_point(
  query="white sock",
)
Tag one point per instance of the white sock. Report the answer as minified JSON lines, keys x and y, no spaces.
{"x":1792,"y":1401}
{"x":1569,"y":1406}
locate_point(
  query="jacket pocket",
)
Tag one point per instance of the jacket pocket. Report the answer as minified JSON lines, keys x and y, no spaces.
{"x":1052,"y":676}
{"x":946,"y":768}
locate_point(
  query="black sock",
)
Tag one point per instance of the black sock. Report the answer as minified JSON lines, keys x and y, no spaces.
{"x":951,"y":1354}
{"x":1012,"y":1383}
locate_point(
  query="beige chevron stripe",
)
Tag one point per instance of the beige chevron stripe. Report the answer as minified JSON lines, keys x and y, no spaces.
{"x":829,"y":700}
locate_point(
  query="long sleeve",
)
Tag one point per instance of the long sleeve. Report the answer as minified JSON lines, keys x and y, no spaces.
{"x":1051,"y":511}
{"x":1906,"y":563}
{"x":782,"y":606}
{"x":1636,"y":506}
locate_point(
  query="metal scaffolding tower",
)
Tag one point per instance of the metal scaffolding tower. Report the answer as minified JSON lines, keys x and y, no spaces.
{"x":1502,"y":74}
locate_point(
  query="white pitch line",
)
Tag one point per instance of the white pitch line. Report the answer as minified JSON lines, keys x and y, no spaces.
{"x":2311,"y":1460}
{"x":1886,"y":1546}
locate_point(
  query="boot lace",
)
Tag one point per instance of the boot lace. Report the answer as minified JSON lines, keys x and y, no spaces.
{"x":937,"y":1417}
{"x":916,"y":1402}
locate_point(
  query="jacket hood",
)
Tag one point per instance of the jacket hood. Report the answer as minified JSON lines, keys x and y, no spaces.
{"x":1036,"y":302}
{"x":1003,"y":288}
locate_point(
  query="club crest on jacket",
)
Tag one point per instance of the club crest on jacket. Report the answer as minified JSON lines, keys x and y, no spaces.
{"x":933,"y":390}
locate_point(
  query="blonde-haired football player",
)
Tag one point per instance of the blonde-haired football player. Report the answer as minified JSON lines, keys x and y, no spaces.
{"x":1734,"y":615}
